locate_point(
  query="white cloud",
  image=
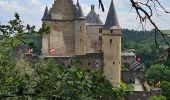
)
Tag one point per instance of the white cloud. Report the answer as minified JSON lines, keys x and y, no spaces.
{"x":31,"y":12}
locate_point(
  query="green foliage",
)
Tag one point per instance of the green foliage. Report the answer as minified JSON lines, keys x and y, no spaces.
{"x":71,"y":82}
{"x":46,"y":80}
{"x":34,"y":41}
{"x":154,"y":73}
{"x":157,"y":98}
{"x":166,"y":89}
{"x":123,"y":68}
{"x":129,"y":87}
{"x":14,"y":33}
{"x":144,"y":45}
{"x":145,"y":48}
{"x":51,"y":81}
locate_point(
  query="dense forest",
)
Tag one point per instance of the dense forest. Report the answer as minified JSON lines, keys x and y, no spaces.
{"x":157,"y":69}
{"x":143,"y":42}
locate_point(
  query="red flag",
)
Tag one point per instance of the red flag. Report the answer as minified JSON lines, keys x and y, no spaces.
{"x":138,"y":59}
{"x":158,"y":84}
{"x":52,"y":51}
{"x":30,"y":50}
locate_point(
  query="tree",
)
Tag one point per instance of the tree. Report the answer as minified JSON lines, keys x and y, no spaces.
{"x":154,"y":73}
{"x":46,"y":80}
{"x":14,"y":33}
{"x":157,"y":98}
{"x":71,"y":82}
{"x":166,"y":89}
{"x":14,"y":75}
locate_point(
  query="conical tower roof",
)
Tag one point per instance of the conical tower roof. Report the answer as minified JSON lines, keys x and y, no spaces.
{"x":79,"y":12}
{"x":46,"y":14}
{"x":92,"y":17}
{"x":78,"y":4}
{"x":112,"y":19}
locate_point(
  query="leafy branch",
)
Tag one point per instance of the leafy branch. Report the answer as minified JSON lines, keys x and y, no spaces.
{"x":14,"y":33}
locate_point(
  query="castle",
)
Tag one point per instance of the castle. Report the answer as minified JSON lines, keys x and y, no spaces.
{"x":97,"y":45}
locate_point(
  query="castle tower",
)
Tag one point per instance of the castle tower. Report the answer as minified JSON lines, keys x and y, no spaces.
{"x":79,"y":30}
{"x":93,"y":24}
{"x":46,"y":37}
{"x":111,"y":47}
{"x":61,"y":19}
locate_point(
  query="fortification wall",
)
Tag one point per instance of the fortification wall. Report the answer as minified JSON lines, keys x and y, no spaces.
{"x":130,"y":76}
{"x":141,"y":95}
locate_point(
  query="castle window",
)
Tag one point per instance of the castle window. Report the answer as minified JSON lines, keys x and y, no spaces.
{"x":97,"y":63}
{"x":100,"y":30}
{"x":80,"y":29}
{"x":111,"y":31}
{"x":88,"y":64}
{"x":113,"y":62}
{"x":110,"y":41}
{"x":100,"y":38}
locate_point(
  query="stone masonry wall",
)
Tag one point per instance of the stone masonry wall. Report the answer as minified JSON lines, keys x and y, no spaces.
{"x":130,"y":76}
{"x":145,"y":95}
{"x":90,"y":60}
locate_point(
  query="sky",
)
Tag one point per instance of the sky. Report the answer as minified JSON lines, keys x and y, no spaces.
{"x":31,"y":12}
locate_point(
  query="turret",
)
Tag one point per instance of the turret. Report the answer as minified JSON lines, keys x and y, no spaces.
{"x":111,"y":19}
{"x":93,"y":18}
{"x":79,"y":30}
{"x":46,"y":37}
{"x":46,"y":15}
{"x":111,"y":47}
{"x":79,"y":13}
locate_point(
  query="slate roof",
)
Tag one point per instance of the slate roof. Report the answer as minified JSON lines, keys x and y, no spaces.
{"x":92,"y":17}
{"x":46,"y":15}
{"x":112,"y":19}
{"x":79,"y":12}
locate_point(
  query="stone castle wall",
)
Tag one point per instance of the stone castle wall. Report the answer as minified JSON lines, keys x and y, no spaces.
{"x":92,"y":38}
{"x":61,"y":38}
{"x":141,"y":95}
{"x":130,"y":76}
{"x":90,"y":60}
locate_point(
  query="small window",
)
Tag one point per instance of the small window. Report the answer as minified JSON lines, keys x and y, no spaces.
{"x":97,"y":63}
{"x":100,"y":30}
{"x":88,"y":64}
{"x":113,"y":62}
{"x":100,"y":38}
{"x":110,"y":41}
{"x":111,"y":31}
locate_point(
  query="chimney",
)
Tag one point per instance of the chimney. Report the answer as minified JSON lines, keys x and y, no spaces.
{"x":92,"y":7}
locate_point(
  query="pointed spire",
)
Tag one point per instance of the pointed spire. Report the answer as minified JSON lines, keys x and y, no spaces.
{"x":112,"y":19}
{"x":79,"y":12}
{"x":46,"y":14}
{"x":78,"y":4}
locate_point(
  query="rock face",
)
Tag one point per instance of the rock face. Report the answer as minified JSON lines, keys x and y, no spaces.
{"x":73,"y":34}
